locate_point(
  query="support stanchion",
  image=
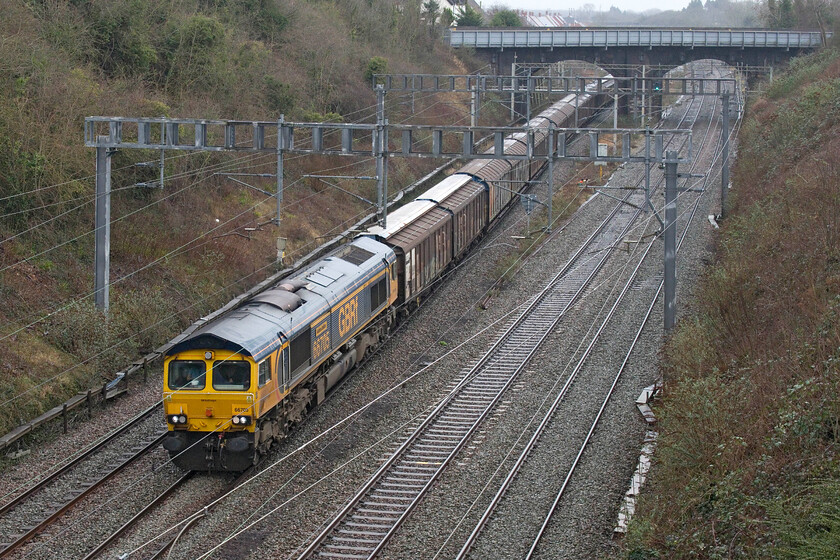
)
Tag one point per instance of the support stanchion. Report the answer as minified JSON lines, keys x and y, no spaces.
{"x":670,"y":238}
{"x":724,"y":174}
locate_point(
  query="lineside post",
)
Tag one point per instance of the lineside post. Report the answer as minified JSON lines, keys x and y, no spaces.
{"x":693,"y":84}
{"x":644,"y":95}
{"x":615,"y":110}
{"x":474,"y":106}
{"x":550,"y":175}
{"x":648,"y":203}
{"x":280,"y":147}
{"x":724,"y":174}
{"x":381,"y":163}
{"x":102,"y":258}
{"x":512,"y":94}
{"x":670,"y":238}
{"x":528,"y":97}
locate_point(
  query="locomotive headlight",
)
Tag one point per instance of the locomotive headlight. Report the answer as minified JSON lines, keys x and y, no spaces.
{"x":241,"y":420}
{"x":182,"y":419}
{"x":176,"y":419}
{"x":235,"y":419}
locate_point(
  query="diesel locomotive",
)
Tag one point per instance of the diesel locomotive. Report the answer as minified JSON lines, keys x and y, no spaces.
{"x":238,"y":383}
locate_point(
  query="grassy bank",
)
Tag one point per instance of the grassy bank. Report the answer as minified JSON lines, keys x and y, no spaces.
{"x":747,"y":464}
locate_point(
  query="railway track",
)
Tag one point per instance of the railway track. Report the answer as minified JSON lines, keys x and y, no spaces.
{"x":373,"y":515}
{"x":142,"y":513}
{"x":619,"y":371}
{"x":550,"y":412}
{"x":367,"y":522}
{"x":36,"y":507}
{"x":163,"y":550}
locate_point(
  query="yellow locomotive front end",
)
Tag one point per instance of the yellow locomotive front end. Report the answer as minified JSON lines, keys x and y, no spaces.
{"x":209,"y":401}
{"x":239,"y":382}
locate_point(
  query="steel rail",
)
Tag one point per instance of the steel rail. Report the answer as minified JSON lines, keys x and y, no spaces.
{"x":550,"y":412}
{"x":128,"y":524}
{"x":41,"y":525}
{"x":620,"y":371}
{"x":429,"y":419}
{"x":41,"y":483}
{"x":167,"y":547}
{"x":552,"y":409}
{"x":465,"y":379}
{"x":467,"y":427}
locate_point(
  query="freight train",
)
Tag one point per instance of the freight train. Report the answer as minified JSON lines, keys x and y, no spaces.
{"x":240,"y":382}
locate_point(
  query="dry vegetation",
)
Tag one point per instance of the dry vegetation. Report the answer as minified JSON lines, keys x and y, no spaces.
{"x":178,"y":252}
{"x":747,"y":463}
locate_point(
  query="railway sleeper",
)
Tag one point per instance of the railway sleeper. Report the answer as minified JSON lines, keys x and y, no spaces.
{"x":449,"y":434}
{"x":342,"y":556}
{"x":455,"y":426}
{"x":390,"y":511}
{"x":356,"y":540}
{"x":381,"y":517}
{"x":432,"y":446}
{"x":478,"y":392}
{"x":386,"y":492}
{"x":416,"y":454}
{"x":418,"y":473}
{"x":344,"y":531}
{"x":385,"y":501}
{"x":383,"y":508}
{"x":368,"y":525}
{"x":390,"y":501}
{"x":347,"y":547}
{"x":420,"y":459}
{"x":460,"y":420}
{"x":402,"y":484}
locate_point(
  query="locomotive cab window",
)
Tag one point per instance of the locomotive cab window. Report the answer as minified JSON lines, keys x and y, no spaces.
{"x":265,"y":372}
{"x":186,"y":374}
{"x":231,"y":376}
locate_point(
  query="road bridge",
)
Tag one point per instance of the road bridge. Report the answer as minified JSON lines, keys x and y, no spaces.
{"x":612,"y":46}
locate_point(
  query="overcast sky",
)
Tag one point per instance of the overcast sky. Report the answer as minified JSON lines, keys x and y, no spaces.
{"x":564,"y":6}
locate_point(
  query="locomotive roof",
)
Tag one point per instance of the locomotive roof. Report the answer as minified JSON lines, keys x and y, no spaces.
{"x":252,"y":328}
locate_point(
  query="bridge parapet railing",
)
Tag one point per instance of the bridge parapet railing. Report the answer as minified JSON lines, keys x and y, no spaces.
{"x":636,"y":37}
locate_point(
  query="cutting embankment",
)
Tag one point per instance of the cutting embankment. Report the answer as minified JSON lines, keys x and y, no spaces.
{"x":747,"y":463}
